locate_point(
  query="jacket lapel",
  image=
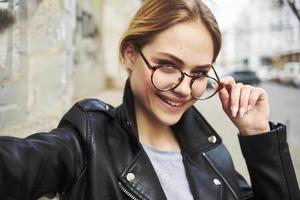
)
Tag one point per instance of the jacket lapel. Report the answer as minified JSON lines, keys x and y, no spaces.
{"x":138,"y":177}
{"x":196,"y":136}
{"x":194,"y":133}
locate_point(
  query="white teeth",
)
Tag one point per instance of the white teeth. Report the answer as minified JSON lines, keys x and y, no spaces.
{"x":172,"y":103}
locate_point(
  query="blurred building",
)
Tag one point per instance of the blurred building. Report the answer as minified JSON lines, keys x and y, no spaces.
{"x":58,"y":51}
{"x":267,"y":33}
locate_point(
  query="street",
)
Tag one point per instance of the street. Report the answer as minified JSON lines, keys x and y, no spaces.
{"x":285,"y":107}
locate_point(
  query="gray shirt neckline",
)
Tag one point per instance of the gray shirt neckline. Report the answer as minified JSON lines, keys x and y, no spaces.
{"x":168,"y":166}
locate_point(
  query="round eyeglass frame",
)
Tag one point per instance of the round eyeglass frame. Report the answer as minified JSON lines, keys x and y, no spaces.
{"x":183,"y":74}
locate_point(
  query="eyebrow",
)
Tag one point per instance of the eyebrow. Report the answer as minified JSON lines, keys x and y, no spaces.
{"x":181,"y":62}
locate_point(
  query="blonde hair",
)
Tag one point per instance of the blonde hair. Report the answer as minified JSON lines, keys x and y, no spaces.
{"x":155,"y":16}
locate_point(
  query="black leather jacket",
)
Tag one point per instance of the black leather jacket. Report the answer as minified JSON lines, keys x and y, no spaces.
{"x":95,"y":147}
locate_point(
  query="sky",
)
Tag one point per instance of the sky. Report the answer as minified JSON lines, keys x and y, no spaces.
{"x":226,"y":11}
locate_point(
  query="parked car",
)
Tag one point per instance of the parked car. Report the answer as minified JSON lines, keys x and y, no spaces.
{"x":296,"y":81}
{"x":264,"y":72}
{"x":290,"y":72}
{"x":274,"y":75}
{"x":246,"y":76}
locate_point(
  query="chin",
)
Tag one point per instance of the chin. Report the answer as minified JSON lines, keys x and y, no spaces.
{"x":170,"y":120}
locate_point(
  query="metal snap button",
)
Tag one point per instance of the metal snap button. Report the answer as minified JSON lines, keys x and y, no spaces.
{"x":130,"y":177}
{"x":128,"y":123}
{"x":216,"y":181}
{"x":212,"y":139}
{"x":106,"y":107}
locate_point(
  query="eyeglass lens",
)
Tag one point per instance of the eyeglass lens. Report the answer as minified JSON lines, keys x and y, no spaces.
{"x":167,"y":78}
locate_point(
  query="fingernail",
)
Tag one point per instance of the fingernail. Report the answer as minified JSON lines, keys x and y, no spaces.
{"x":249,"y":108}
{"x":214,"y":85}
{"x":242,"y":112}
{"x":234,"y":111}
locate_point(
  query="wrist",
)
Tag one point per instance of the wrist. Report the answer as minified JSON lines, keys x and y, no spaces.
{"x":255,"y":131}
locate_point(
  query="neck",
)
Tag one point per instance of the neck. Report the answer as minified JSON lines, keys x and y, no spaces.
{"x":154,"y":133}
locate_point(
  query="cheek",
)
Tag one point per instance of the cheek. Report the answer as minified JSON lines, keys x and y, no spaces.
{"x":141,"y":81}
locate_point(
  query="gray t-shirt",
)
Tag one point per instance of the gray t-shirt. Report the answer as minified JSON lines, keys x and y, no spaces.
{"x":169,"y":168}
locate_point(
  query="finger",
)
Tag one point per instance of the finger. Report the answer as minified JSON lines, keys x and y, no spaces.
{"x":235,"y":98}
{"x":244,"y":99}
{"x":224,"y":97}
{"x":257,"y":94}
{"x":228,"y":82}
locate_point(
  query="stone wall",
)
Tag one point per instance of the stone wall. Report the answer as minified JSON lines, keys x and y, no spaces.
{"x":89,"y":71}
{"x":13,"y":69}
{"x":116,"y":16}
{"x":51,"y":56}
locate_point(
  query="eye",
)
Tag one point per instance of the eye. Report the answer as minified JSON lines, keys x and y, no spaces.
{"x":165,"y":63}
{"x":198,"y":72}
{"x":168,"y":70}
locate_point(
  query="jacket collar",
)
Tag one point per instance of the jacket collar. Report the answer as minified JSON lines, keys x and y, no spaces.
{"x":125,"y":113}
{"x":192,"y":131}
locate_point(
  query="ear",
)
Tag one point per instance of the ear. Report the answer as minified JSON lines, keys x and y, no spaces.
{"x":130,"y":56}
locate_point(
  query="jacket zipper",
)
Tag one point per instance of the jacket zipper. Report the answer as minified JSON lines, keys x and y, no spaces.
{"x":128,"y":193}
{"x":225,"y":181}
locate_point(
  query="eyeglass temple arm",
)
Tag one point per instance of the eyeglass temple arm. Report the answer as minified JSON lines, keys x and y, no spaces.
{"x":145,"y":60}
{"x":216,"y":73}
{"x":220,"y":83}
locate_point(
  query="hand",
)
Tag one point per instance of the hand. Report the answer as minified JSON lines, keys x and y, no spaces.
{"x":246,"y":106}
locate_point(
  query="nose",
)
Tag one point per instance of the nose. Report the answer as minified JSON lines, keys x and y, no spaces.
{"x":183,"y":88}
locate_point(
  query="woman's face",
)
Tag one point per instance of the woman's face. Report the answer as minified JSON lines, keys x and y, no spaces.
{"x":189,"y":46}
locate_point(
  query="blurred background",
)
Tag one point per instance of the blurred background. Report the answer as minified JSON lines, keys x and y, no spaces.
{"x":60,"y":51}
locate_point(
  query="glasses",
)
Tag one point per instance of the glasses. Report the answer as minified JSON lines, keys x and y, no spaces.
{"x":168,"y":77}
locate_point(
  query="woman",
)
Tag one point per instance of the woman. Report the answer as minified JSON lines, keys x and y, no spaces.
{"x":156,"y":145}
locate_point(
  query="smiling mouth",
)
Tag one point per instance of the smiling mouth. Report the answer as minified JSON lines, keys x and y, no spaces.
{"x":171,"y":102}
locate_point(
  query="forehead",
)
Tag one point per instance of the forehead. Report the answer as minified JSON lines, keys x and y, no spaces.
{"x":190,"y":41}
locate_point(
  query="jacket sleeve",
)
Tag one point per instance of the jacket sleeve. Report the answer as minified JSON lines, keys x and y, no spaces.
{"x":39,"y":165}
{"x":270,"y":166}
